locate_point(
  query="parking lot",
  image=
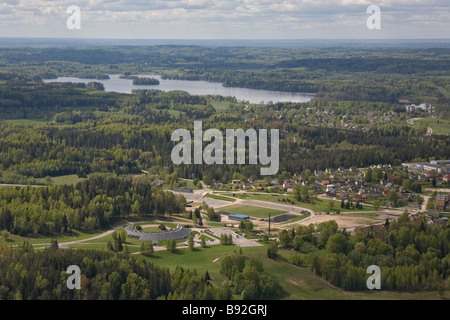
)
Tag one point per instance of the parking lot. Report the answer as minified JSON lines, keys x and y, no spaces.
{"x":237,"y":239}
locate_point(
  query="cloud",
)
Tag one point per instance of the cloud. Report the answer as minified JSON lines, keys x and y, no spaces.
{"x":225,"y":18}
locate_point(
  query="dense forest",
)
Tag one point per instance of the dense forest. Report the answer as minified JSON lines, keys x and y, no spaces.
{"x":136,"y":136}
{"x":26,"y":274}
{"x":88,"y":205}
{"x":337,"y":73}
{"x":412,"y":256}
{"x":121,"y":142}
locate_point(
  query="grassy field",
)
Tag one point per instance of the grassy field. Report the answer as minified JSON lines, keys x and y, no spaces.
{"x":44,"y":240}
{"x":258,"y":212}
{"x":61,"y":180}
{"x":189,"y":184}
{"x":319,"y":205}
{"x":30,"y":122}
{"x":167,"y":224}
{"x":203,"y":236}
{"x":298,"y":283}
{"x":439,"y":126}
{"x":363,"y":214}
{"x":152,"y":229}
{"x":219,"y":197}
{"x":299,"y":218}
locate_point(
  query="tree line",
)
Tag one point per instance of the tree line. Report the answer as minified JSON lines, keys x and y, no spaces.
{"x":27,"y":274}
{"x":88,"y":205}
{"x":412,"y":255}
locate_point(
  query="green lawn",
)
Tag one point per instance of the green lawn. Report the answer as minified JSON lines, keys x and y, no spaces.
{"x":319,"y":205}
{"x":214,"y":224}
{"x":152,"y":229}
{"x":258,"y":212}
{"x":205,"y":237}
{"x":30,"y":122}
{"x":167,"y":224}
{"x":45,"y":240}
{"x":189,"y":183}
{"x":299,"y":218}
{"x":200,"y":259}
{"x":68,"y":179}
{"x":218,"y":197}
{"x":363,"y":214}
{"x":298,"y":283}
{"x":439,"y":126}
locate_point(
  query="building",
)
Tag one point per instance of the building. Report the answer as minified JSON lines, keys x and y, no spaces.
{"x":439,"y":162}
{"x":238,"y":216}
{"x":247,"y":185}
{"x":440,"y":200}
{"x":430,"y":167}
{"x":433,"y":213}
{"x":157,"y":183}
{"x":183,"y":190}
{"x":288,"y":184}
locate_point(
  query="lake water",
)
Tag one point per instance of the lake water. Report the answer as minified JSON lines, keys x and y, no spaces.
{"x":115,"y":84}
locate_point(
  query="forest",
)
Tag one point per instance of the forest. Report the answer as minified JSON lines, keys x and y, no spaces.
{"x":88,"y":205}
{"x":117,"y":144}
{"x":26,"y":274}
{"x":335,"y":73}
{"x":133,"y":134}
{"x":412,"y":255}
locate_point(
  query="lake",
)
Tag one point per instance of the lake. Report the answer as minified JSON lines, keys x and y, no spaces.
{"x":115,"y":84}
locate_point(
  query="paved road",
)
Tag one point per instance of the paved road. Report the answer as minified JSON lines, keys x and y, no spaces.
{"x":21,"y":185}
{"x":443,"y":190}
{"x":104,"y":234}
{"x":200,"y":196}
{"x":424,"y":204}
{"x":238,"y":240}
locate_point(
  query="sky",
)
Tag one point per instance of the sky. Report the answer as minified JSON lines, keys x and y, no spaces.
{"x":225,"y":19}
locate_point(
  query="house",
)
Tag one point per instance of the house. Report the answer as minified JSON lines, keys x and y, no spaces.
{"x":433,"y":213}
{"x":389,"y":203}
{"x":446,"y":178}
{"x":183,"y":190}
{"x":343,"y":195}
{"x":238,"y":216}
{"x":331,"y":192}
{"x":428,"y":167}
{"x":325,"y":182}
{"x":414,"y":205}
{"x":247,"y":185}
{"x":414,"y":217}
{"x":385,"y":192}
{"x":218,"y":185}
{"x":259,"y":188}
{"x":440,"y":200}
{"x":157,"y":183}
{"x":288,"y":184}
